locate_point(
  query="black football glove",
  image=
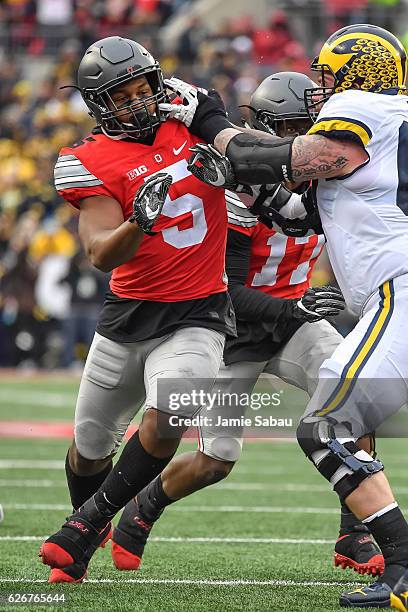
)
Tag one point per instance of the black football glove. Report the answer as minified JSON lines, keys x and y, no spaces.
{"x":149,"y":201}
{"x":318,"y":303}
{"x":211,"y":167}
{"x":297,"y":228}
{"x":272,"y":198}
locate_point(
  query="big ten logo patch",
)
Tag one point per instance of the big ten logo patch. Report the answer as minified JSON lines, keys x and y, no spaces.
{"x":139,"y":171}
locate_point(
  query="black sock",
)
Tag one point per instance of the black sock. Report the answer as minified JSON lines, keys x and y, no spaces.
{"x":134,"y":469}
{"x":152,"y":500}
{"x":349,"y":522}
{"x":391,"y":533}
{"x":82,"y":488}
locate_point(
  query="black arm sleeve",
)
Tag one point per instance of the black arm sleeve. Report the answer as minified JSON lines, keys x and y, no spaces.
{"x":209,"y":119}
{"x":250,"y":304}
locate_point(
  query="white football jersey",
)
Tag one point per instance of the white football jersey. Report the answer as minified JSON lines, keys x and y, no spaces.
{"x":365,"y":215}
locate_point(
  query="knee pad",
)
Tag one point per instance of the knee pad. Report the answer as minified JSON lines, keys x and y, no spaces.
{"x":94,"y":441}
{"x":334,"y":452}
{"x":225,"y":448}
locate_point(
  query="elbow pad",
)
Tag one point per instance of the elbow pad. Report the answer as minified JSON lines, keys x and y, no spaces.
{"x":259,"y":160}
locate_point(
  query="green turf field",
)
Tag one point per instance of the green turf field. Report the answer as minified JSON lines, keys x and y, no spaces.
{"x":261,"y":540}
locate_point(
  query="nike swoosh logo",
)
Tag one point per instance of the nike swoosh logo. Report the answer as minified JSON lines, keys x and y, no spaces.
{"x":178,"y":151}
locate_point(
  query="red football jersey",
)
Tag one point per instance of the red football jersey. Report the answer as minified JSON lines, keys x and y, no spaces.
{"x":185,"y":260}
{"x":280,"y":265}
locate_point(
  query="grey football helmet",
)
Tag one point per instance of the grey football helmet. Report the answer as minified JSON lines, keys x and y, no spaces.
{"x":280,"y":98}
{"x":108,"y":63}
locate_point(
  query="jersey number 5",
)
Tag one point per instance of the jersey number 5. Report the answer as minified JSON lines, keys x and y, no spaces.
{"x":187,"y":203}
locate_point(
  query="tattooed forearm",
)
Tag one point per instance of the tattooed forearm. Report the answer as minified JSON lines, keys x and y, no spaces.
{"x":316,"y":157}
{"x":223,"y":138}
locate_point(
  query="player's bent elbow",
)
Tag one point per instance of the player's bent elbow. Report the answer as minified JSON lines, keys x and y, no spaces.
{"x":98,"y":258}
{"x":100,"y":262}
{"x":101,"y":265}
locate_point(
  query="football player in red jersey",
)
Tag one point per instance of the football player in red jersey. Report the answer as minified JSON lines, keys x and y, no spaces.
{"x":268,"y":273}
{"x":70,"y":550}
{"x":162,"y":233}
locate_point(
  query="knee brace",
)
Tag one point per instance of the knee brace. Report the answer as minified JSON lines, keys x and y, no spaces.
{"x":330,"y":446}
{"x":372,"y":440}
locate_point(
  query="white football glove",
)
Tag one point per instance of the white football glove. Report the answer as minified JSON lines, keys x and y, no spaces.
{"x":182,"y":112}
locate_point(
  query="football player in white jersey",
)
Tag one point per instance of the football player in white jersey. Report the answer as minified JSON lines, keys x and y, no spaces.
{"x":358,"y":152}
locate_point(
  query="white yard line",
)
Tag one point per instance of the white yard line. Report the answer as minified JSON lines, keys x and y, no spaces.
{"x":37,"y":398}
{"x":46,"y":464}
{"x":290,"y":487}
{"x":62,"y":507}
{"x":181,"y":540}
{"x":32,"y":484}
{"x":182,"y":508}
{"x":187,"y":581}
{"x":23,"y":464}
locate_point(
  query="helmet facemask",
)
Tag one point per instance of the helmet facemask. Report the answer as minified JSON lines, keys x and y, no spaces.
{"x":262,"y":119}
{"x":315,"y":97}
{"x":277,"y":124}
{"x":142,"y":116}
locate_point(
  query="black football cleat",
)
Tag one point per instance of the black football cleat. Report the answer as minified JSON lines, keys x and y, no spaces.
{"x":376,"y":595}
{"x":76,"y":541}
{"x":77,"y":572}
{"x":399,"y":595}
{"x":360,"y":552}
{"x":129,"y":538}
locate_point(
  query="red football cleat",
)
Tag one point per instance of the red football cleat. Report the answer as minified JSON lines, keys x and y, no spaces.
{"x":124,"y":559}
{"x":74,"y":573}
{"x":54,"y":555}
{"x":129,"y":538}
{"x":70,"y":572}
{"x":359,"y":552}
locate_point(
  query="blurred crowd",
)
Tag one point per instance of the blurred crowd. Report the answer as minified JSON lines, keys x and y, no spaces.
{"x":49,"y":296}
